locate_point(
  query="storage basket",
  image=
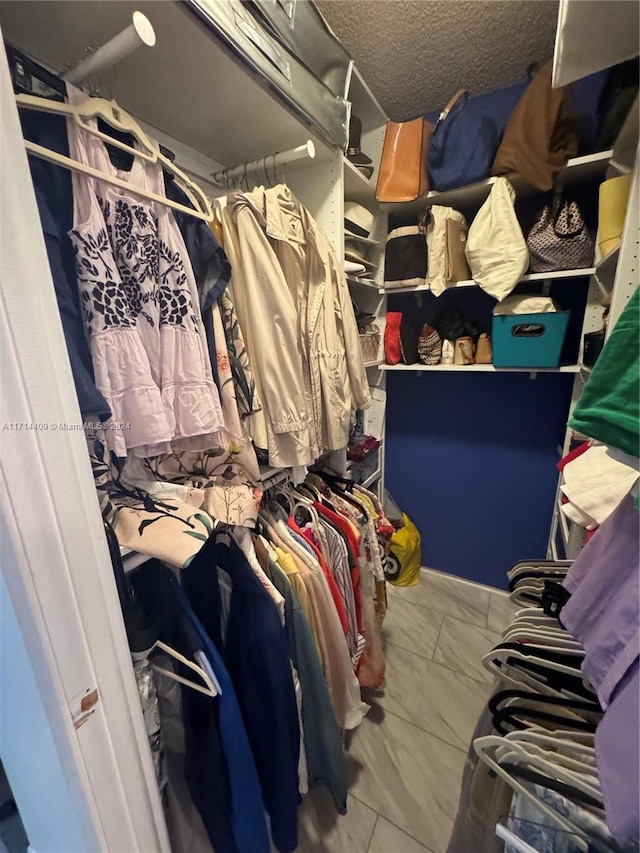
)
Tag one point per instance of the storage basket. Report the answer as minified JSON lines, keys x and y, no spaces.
{"x":370,"y":344}
{"x":529,"y":340}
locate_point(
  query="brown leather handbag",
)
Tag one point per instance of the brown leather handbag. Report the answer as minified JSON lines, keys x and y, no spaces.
{"x":403,"y":167}
{"x":541,"y":134}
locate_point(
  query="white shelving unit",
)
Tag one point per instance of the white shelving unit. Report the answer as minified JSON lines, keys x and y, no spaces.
{"x":368,"y":292}
{"x":617,"y":273}
{"x":540,"y":276}
{"x":477,"y":368}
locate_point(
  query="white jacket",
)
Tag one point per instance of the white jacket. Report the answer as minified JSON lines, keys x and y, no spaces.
{"x":294,"y":307}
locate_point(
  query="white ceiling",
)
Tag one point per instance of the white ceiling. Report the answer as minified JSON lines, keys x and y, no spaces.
{"x":415,"y":54}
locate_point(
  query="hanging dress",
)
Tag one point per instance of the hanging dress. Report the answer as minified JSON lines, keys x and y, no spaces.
{"x":140,"y":308}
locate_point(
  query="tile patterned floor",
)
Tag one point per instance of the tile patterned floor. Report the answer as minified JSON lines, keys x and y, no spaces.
{"x":406,"y":758}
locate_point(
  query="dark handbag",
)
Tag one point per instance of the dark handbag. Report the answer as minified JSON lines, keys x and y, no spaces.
{"x":453,"y":159}
{"x":541,"y":134}
{"x":405,"y":257}
{"x":559,"y":239}
{"x":408,"y":342}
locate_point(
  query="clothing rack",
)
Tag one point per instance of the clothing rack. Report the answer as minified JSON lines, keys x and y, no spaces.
{"x":266,"y":167}
{"x":140,"y":31}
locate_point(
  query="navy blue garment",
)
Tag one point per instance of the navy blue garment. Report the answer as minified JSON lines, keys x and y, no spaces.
{"x":256,"y":653}
{"x":211,"y":267}
{"x":221,"y":772}
{"x":205,"y":764}
{"x":52,"y":185}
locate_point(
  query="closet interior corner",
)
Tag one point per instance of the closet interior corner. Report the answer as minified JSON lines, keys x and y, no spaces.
{"x":276,"y":575}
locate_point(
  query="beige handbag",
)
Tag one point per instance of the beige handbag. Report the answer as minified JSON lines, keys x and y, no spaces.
{"x":496,"y":249}
{"x":403,"y":166}
{"x":446,"y":241}
{"x":484,"y":354}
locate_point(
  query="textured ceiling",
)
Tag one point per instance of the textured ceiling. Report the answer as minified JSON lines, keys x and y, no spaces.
{"x":414,"y":54}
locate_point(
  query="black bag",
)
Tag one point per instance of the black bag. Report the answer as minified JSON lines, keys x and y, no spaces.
{"x":408,"y":342}
{"x":405,"y":257}
{"x":451,"y":324}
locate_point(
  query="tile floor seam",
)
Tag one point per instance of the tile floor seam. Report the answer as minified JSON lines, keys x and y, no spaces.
{"x":437,"y":737}
{"x":463,"y":672}
{"x":373,"y":831}
{"x":404,"y":832}
{"x":435,"y":645}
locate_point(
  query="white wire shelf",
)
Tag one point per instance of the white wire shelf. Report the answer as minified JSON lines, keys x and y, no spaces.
{"x":478,"y":368}
{"x":585,"y":272}
{"x":578,"y":169}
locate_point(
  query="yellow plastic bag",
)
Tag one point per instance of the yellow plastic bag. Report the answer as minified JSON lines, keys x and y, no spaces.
{"x":402,"y":567}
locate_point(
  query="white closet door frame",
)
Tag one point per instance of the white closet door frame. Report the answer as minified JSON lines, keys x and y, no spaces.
{"x":55,"y":559}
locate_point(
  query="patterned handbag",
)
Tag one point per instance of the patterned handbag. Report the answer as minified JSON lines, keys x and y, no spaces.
{"x":559,"y":239}
{"x":429,"y":345}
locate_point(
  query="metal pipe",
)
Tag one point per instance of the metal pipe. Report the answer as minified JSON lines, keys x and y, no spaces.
{"x":271,"y":162}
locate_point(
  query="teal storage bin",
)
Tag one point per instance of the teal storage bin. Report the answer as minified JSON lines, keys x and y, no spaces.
{"x":529,"y":340}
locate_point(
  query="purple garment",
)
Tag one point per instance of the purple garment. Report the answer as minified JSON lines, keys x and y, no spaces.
{"x":618,"y":757}
{"x":603,"y":612}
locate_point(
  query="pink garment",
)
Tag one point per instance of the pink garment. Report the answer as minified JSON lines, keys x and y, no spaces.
{"x":140,"y":308}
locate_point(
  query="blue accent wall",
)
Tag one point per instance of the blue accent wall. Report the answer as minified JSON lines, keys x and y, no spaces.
{"x":471,"y":459}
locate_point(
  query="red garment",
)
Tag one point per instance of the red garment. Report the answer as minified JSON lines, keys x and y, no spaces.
{"x":573,"y":454}
{"x":354,"y":543}
{"x":336,"y":595}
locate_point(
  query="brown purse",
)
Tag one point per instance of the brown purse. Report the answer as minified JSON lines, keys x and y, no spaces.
{"x":403,"y":167}
{"x":541,"y":134}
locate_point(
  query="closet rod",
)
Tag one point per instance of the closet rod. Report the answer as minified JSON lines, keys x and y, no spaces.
{"x":140,"y":31}
{"x":267,"y":165}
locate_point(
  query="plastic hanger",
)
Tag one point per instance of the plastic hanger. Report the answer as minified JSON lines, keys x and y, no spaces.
{"x":482,"y":746}
{"x":208,"y":690}
{"x":94,"y":108}
{"x":118,"y":118}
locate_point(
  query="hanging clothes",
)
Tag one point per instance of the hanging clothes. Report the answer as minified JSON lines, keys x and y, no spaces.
{"x":219,"y":765}
{"x":52,"y":186}
{"x":255,"y":650}
{"x":140,"y":308}
{"x":326,"y":763}
{"x":288,"y":288}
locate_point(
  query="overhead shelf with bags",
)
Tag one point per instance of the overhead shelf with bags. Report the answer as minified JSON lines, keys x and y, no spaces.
{"x":578,"y":170}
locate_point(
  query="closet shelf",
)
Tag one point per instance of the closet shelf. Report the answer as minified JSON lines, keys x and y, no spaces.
{"x":375,"y":363}
{"x":577,"y":170}
{"x":356,"y":186}
{"x":479,"y":368}
{"x":536,"y":276}
{"x":605,"y":270}
{"x":368,"y":481}
{"x":369,"y":283}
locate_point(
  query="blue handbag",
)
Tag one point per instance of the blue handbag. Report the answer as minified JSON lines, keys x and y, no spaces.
{"x":467,"y":134}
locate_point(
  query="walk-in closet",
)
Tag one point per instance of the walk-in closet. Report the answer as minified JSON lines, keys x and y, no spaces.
{"x":320,"y":434}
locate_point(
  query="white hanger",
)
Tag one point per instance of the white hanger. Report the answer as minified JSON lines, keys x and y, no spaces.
{"x":517,"y":843}
{"x":208,"y":690}
{"x":482,"y":745}
{"x":93,"y":108}
{"x":118,"y":118}
{"x":556,"y":766}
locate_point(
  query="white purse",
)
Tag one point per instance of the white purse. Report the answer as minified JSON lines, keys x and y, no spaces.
{"x":496,"y":249}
